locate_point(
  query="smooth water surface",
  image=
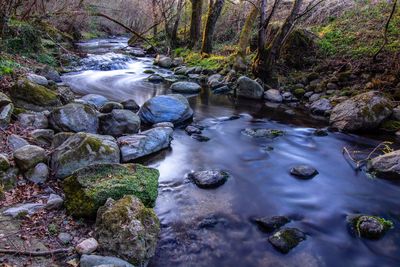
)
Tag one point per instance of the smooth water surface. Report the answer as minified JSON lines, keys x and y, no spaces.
{"x":212,"y":227}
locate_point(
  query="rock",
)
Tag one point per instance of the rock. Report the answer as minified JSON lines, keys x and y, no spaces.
{"x":249,"y":88}
{"x":163,"y":61}
{"x":185,"y":87}
{"x":101,"y":261}
{"x":137,"y":52}
{"x":81,"y":150}
{"x":222,"y":90}
{"x":4,"y":163}
{"x":396,"y":113}
{"x":29,"y":156}
{"x":65,"y":238}
{"x":287,"y":96}
{"x":34,"y":97}
{"x":8,"y":178}
{"x":96,"y":100}
{"x":361,"y":112}
{"x":5,"y":115}
{"x":39,"y":174}
{"x":110,"y":106}
{"x":386,"y":166}
{"x":4,"y":100}
{"x":308,"y":94}
{"x":321,"y":107}
{"x":286,"y":239}
{"x":65,"y":94}
{"x":270,"y":224}
{"x":320,"y":132}
{"x":15,"y":142}
{"x":261,"y":132}
{"x":303,"y":171}
{"x":163,"y":124}
{"x":87,"y":246}
{"x":155,"y":78}
{"x":24,"y":209}
{"x":88,"y":188}
{"x":74,"y":117}
{"x":36,"y":120}
{"x":273,"y":95}
{"x":34,"y":78}
{"x":332,"y":86}
{"x":370,"y":227}
{"x":209,"y":179}
{"x":50,"y":74}
{"x":314,"y":97}
{"x":60,"y":138}
{"x":200,"y":138}
{"x":128,"y":229}
{"x":192,"y":130}
{"x":146,"y":143}
{"x":119,"y":122}
{"x":54,"y":202}
{"x":131,"y":105}
{"x":42,"y":137}
{"x":215,"y":81}
{"x":166,"y":108}
{"x":177,"y":61}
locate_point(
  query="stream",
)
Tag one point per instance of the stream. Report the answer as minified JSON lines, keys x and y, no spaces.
{"x":212,"y":227}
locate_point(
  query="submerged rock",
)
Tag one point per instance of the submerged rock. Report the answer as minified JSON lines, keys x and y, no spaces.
{"x":81,"y":150}
{"x":127,"y":229}
{"x":370,"y":227}
{"x":200,"y":137}
{"x":286,"y":239}
{"x":249,"y":88}
{"x":104,"y":261}
{"x":261,"y":132}
{"x":209,"y":179}
{"x":185,"y":87}
{"x":270,"y":224}
{"x":119,"y":122}
{"x":386,"y":166}
{"x":74,"y":117}
{"x":88,"y":188}
{"x":166,"y":108}
{"x":361,"y":112}
{"x":146,"y":143}
{"x":303,"y":171}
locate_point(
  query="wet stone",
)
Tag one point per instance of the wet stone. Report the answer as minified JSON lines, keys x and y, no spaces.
{"x":303,"y":171}
{"x":200,"y":138}
{"x":286,"y":239}
{"x":261,"y":132}
{"x":272,"y":223}
{"x":209,"y":179}
{"x":320,"y":132}
{"x":192,"y":130}
{"x":370,"y":227}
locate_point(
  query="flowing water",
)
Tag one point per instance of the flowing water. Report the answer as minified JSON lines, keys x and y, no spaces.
{"x":212,"y":227}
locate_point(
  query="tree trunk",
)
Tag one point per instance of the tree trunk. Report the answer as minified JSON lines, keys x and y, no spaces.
{"x":155,"y":17}
{"x":214,"y":11}
{"x":175,"y":27}
{"x":195,"y":24}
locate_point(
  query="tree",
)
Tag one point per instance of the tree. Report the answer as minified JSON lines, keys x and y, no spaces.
{"x":214,"y":11}
{"x":195,"y":23}
{"x":155,"y":17}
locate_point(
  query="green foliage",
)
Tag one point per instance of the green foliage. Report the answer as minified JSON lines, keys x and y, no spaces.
{"x":46,"y":58}
{"x":22,"y":38}
{"x":211,"y":62}
{"x":7,"y":66}
{"x":53,"y":229}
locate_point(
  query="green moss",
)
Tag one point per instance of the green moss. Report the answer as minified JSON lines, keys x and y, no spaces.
{"x":356,"y":221}
{"x":390,"y":126}
{"x":89,"y":188}
{"x":299,"y":92}
{"x":7,"y":66}
{"x":53,"y":229}
{"x":194,"y":59}
{"x":33,"y":93}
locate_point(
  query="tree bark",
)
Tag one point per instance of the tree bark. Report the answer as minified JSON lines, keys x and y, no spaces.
{"x":155,"y":17}
{"x":195,"y":24}
{"x":214,"y":11}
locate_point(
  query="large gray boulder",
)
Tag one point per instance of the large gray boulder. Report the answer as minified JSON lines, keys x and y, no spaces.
{"x":386,"y":166}
{"x":362,"y":112}
{"x":74,"y":117}
{"x":81,"y":150}
{"x":163,"y":61}
{"x":249,"y":88}
{"x":119,"y":122}
{"x":15,"y":142}
{"x":273,"y":95}
{"x":36,"y":120}
{"x":166,"y":108}
{"x":321,"y":107}
{"x":185,"y":87}
{"x":146,"y":143}
{"x":38,"y":79}
{"x":27,"y":157}
{"x":127,"y":229}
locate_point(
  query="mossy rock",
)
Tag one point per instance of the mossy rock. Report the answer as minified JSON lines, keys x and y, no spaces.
{"x":391,"y":126}
{"x":299,"y":92}
{"x":28,"y":95}
{"x":149,"y":72}
{"x":299,"y":50}
{"x":89,"y":188}
{"x":367,"y":226}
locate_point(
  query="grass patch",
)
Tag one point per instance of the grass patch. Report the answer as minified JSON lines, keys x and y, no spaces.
{"x":210,"y":62}
{"x":7,"y":66}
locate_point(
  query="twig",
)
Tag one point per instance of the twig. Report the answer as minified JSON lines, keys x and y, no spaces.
{"x":35,"y":253}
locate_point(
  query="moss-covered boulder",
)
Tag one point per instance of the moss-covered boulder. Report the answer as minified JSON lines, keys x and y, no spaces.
{"x":88,"y":188}
{"x":370,"y":227}
{"x":127,"y":229}
{"x":386,"y":166}
{"x":82,"y":150}
{"x":28,"y":95}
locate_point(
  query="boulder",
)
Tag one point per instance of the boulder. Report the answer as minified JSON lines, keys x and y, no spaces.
{"x":386,"y":166}
{"x":74,"y":117}
{"x":36,"y":120}
{"x":249,"y":88}
{"x":185,"y":87}
{"x":4,"y":163}
{"x":39,"y":174}
{"x":15,"y":142}
{"x":50,"y":74}
{"x":60,"y":138}
{"x":321,"y":107}
{"x":119,"y":122}
{"x":29,"y":156}
{"x":65,"y":94}
{"x":155,"y":78}
{"x":286,"y":239}
{"x":361,"y":112}
{"x":88,"y":188}
{"x":146,"y":143}
{"x":104,"y":261}
{"x":370,"y":227}
{"x":24,"y":209}
{"x":130,"y":104}
{"x":28,"y":95}
{"x":215,"y":81}
{"x":127,"y":229}
{"x":272,"y":223}
{"x":163,"y":61}
{"x":54,"y":202}
{"x":42,"y":137}
{"x":273,"y":95}
{"x":87,"y":246}
{"x":110,"y":106}
{"x":166,"y":108}
{"x":303,"y":171}
{"x":34,"y":78}
{"x":5,"y":115}
{"x":96,"y":100}
{"x":81,"y":150}
{"x":209,"y":179}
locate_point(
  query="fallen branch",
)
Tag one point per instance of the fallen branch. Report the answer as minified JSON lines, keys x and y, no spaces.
{"x":35,"y":253}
